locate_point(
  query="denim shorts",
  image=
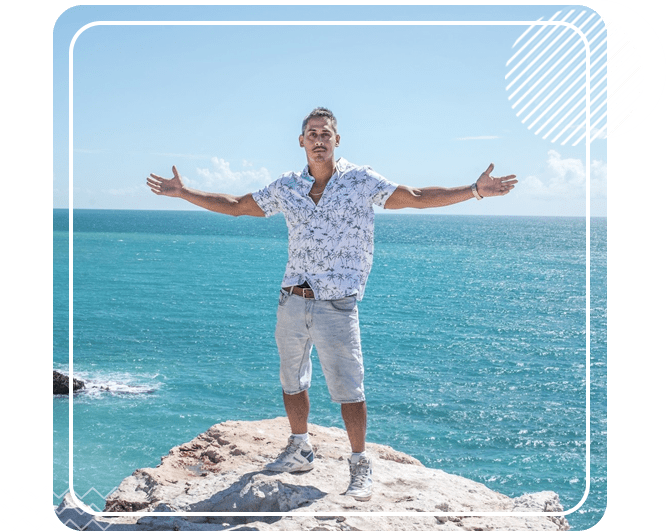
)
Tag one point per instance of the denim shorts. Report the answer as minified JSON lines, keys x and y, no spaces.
{"x":332,"y":327}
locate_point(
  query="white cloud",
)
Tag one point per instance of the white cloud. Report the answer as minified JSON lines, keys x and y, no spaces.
{"x":564,"y":182}
{"x":221,"y":178}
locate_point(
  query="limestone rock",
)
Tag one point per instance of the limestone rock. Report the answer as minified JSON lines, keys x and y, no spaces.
{"x":221,"y":471}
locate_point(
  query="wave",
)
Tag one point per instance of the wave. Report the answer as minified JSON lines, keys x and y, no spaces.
{"x":101,"y":384}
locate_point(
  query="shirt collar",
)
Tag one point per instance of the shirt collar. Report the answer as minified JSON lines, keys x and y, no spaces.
{"x":339,"y":168}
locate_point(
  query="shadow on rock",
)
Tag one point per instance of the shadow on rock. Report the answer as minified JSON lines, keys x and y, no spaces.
{"x":254,"y":492}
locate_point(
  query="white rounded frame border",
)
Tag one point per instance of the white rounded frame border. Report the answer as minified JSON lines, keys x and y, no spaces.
{"x":84,"y":507}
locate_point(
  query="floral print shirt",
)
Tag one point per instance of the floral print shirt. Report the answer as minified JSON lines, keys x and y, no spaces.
{"x":331,"y":242}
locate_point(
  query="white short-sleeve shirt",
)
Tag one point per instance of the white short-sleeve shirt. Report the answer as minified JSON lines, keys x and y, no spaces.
{"x":330,"y":243}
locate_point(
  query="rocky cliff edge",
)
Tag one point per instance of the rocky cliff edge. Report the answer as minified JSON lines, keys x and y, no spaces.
{"x":221,"y":470}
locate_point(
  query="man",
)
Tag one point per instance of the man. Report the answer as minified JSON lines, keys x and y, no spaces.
{"x":329,"y":212}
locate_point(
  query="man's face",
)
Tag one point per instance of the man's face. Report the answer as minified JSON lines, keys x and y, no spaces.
{"x":319,"y":140}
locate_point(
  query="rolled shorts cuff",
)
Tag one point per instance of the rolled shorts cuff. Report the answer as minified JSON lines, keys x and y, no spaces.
{"x":349,"y":401}
{"x":291,"y":393}
{"x":360,"y":397}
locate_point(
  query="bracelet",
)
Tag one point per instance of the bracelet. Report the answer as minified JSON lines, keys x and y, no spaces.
{"x":476,"y":192}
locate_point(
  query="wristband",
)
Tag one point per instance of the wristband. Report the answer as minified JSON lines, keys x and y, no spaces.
{"x":476,"y":192}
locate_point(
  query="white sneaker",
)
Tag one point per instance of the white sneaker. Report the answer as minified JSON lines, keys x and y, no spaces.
{"x":360,"y":486}
{"x":298,"y":456}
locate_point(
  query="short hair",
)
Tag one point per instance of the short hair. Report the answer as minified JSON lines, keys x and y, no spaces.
{"x":320,"y":112}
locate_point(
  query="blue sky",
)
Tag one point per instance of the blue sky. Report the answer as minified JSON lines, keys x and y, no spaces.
{"x":423,"y":105}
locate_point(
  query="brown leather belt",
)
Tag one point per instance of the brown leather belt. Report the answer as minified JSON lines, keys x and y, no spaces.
{"x":306,"y":293}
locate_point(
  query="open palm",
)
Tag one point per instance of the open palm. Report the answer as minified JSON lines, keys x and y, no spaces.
{"x":489,"y":186}
{"x":171,"y":187}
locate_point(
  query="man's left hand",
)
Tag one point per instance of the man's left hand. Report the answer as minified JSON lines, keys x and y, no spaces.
{"x":489,"y":186}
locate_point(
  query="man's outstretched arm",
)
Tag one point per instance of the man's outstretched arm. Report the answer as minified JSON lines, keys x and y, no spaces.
{"x":223,"y":203}
{"x":435,"y":196}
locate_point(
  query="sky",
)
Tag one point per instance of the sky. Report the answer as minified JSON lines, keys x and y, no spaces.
{"x":422,"y":105}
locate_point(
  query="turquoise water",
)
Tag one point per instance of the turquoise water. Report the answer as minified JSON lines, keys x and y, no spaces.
{"x":473,"y":336}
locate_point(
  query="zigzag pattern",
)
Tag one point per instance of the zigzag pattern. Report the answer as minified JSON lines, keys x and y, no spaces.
{"x":12,"y":523}
{"x":83,"y":498}
{"x":86,"y":524}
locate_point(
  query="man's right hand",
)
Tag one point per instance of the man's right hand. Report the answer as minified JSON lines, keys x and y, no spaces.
{"x":223,"y":203}
{"x":170,"y":187}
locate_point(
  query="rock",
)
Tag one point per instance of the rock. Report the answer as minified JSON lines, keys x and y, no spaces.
{"x":61,"y":384}
{"x":221,"y":471}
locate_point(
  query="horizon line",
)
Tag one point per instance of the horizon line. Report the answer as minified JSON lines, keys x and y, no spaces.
{"x":378,"y":212}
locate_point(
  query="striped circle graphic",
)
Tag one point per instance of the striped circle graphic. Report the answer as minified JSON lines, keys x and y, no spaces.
{"x":546,"y":77}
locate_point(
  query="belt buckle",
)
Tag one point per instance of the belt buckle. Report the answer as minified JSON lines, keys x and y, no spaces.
{"x":305,"y":293}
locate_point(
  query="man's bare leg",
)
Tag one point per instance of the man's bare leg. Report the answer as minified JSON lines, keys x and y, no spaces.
{"x":298,"y":409}
{"x":355,"y":416}
{"x":360,"y":466}
{"x":298,"y":456}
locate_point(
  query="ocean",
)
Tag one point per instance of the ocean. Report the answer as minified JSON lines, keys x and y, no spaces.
{"x":473,"y":330}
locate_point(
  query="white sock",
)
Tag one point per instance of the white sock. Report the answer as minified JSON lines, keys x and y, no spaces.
{"x":301,"y":437}
{"x":356,"y":457}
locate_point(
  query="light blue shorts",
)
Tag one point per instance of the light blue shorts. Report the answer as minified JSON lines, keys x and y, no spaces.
{"x":332,"y":327}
